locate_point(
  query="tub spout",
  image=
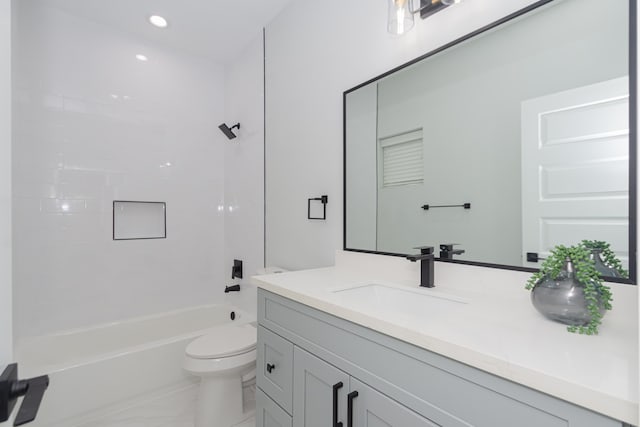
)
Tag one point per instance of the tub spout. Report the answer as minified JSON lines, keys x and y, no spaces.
{"x":234,"y":288}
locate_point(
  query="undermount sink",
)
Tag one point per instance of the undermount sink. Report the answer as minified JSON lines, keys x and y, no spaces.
{"x":381,"y":299}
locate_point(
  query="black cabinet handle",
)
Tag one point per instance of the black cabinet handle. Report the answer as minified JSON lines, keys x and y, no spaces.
{"x":270,"y":367}
{"x":336,"y":387}
{"x":350,"y":398}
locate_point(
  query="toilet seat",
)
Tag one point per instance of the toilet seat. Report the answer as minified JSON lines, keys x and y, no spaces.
{"x":225,"y":341}
{"x":225,"y":351}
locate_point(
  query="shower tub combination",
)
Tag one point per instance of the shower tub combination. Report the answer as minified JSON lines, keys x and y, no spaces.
{"x":104,"y":366}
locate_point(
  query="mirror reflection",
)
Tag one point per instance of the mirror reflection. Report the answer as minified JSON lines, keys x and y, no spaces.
{"x":509,"y":143}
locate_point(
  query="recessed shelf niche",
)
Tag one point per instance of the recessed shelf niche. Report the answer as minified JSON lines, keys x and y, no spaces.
{"x":139,"y":220}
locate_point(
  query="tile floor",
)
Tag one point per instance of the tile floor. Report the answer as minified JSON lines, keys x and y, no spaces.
{"x":169,"y":408}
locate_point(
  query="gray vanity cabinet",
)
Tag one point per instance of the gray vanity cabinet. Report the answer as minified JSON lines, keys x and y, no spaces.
{"x":373,"y":409}
{"x":310,"y":362}
{"x":275,"y":362}
{"x":268,"y":414}
{"x":320,"y":389}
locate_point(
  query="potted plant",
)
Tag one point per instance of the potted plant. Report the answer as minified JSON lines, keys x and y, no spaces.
{"x":605,"y":259}
{"x":570,"y":290}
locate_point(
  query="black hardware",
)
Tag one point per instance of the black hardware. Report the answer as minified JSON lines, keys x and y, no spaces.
{"x":426,"y":258}
{"x":533,"y":257}
{"x":233,"y":288}
{"x":350,"y":398}
{"x":233,"y":315}
{"x":447,"y":251}
{"x":322,"y":199}
{"x":228,"y":131}
{"x":11,"y":389}
{"x":270,"y":367}
{"x":336,"y":387}
{"x":464,"y":205}
{"x":32,"y":399}
{"x":236,"y":270}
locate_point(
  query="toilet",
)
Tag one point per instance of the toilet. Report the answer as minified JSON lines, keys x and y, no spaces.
{"x":221,"y":358}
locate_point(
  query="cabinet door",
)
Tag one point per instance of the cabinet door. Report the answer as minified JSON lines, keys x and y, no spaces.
{"x":371,"y":408}
{"x":274,"y":369}
{"x":268,"y":414}
{"x":319,"y":392}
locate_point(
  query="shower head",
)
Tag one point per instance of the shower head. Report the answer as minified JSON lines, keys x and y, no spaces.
{"x":228,"y":131}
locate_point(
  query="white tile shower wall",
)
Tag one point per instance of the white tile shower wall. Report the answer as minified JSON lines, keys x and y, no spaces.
{"x":93,"y":124}
{"x":244,"y":170}
{"x":315,"y":51}
{"x":5,"y":185}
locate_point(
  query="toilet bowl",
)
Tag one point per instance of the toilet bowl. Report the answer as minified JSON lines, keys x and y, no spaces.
{"x":221,"y":358}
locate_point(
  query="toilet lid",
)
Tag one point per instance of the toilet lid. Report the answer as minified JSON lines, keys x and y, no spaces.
{"x":225,"y":341}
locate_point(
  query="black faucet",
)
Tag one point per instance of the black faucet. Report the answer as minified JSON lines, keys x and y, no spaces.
{"x":447,"y":251}
{"x":426,"y":258}
{"x":232,"y":288}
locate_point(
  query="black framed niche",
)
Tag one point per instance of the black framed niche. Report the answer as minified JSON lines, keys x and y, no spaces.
{"x":139,"y":220}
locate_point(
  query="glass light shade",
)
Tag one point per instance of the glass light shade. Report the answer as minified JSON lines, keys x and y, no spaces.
{"x":400,"y":17}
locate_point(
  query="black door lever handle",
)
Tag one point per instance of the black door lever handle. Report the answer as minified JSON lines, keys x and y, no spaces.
{"x":32,"y":399}
{"x":11,"y":389}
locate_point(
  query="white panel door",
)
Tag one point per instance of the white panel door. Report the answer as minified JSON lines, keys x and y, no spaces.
{"x":575,"y":165}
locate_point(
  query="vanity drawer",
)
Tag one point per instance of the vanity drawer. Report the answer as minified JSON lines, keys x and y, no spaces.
{"x":268,"y":414}
{"x":275,"y":367}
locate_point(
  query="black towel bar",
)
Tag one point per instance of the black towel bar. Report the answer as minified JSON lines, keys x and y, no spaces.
{"x":465,"y":205}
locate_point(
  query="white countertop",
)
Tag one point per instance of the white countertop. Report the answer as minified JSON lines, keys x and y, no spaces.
{"x":496,"y":329}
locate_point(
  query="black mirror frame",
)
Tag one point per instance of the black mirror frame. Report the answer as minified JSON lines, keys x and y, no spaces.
{"x":633,"y":133}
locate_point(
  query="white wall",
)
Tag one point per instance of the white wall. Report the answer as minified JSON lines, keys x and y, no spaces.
{"x":244,"y":170}
{"x":315,"y":51}
{"x":6,"y":352}
{"x":93,"y":124}
{"x":362,"y":179}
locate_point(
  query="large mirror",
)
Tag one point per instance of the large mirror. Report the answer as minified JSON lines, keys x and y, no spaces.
{"x":507,"y":142}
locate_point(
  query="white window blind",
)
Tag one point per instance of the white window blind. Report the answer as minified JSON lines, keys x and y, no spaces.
{"x":402,"y":159}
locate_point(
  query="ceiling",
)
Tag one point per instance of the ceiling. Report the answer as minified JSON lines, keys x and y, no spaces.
{"x":218,"y":29}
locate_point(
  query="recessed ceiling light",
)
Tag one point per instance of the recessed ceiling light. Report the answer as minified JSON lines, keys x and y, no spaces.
{"x":158,"y":21}
{"x":141,"y":57}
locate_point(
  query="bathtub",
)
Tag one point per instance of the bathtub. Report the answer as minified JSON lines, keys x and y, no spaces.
{"x":99,"y":367}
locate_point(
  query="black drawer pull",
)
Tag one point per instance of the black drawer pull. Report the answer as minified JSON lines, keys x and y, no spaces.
{"x":350,"y":398}
{"x":270,"y":367}
{"x":336,"y":387}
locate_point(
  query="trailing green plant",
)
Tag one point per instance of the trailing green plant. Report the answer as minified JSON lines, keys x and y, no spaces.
{"x":608,"y":256}
{"x":596,"y":293}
